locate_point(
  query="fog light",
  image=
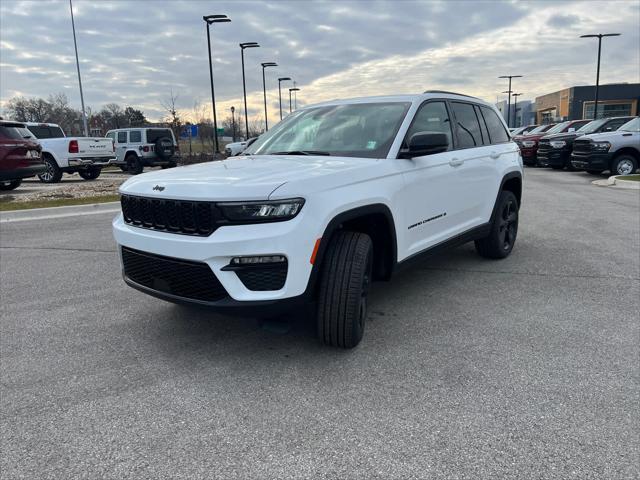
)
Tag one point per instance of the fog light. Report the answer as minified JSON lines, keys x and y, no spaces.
{"x":257,"y":260}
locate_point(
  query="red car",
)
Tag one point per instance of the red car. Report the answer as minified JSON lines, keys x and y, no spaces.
{"x":529,"y":143}
{"x":19,"y":158}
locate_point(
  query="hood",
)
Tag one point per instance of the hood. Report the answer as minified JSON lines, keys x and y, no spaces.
{"x":238,"y":178}
{"x":535,"y":136}
{"x":602,"y":136}
{"x":562,"y":136}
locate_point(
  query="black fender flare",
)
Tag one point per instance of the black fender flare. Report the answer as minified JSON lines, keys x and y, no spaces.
{"x":336,"y":223}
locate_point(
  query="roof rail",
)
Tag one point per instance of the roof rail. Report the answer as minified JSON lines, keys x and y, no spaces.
{"x":449,"y":93}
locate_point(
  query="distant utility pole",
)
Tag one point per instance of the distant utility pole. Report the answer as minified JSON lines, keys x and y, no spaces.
{"x":509,"y":98}
{"x":75,"y":44}
{"x":599,"y":37}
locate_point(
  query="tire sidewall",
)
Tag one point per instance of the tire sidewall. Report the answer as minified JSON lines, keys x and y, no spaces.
{"x":618,"y":160}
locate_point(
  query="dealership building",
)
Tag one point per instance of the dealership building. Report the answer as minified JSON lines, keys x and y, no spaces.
{"x":575,"y":103}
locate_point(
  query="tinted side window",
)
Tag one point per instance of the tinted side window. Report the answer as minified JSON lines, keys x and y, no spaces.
{"x":39,"y":132}
{"x":122,"y":137}
{"x":135,"y":136}
{"x":431,"y":117}
{"x":496,"y":129}
{"x":613,"y":125}
{"x":10,"y":132}
{"x":467,"y":126}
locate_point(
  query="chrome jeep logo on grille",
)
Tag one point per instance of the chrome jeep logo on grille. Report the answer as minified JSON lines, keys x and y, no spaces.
{"x":158,"y":188}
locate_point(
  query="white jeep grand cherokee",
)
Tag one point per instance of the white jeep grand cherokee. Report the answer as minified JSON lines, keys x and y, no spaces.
{"x":333,"y":197}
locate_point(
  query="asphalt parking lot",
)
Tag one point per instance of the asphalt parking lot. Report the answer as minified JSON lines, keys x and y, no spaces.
{"x":522,"y":368}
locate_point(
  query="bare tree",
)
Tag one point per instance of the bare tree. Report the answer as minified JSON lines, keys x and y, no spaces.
{"x":169,"y":105}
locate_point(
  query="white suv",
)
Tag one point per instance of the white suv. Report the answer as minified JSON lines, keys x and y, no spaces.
{"x":137,"y":148}
{"x":333,"y":197}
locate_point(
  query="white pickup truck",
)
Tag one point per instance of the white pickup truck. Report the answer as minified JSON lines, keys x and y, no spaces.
{"x":62,"y":154}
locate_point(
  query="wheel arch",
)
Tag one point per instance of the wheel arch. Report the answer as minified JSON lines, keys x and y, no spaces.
{"x":627,"y":151}
{"x":512,"y":182}
{"x":376,"y":220}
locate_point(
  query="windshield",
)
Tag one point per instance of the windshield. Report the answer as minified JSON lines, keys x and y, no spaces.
{"x":540,"y":129}
{"x":559,"y":127}
{"x":631,"y":125}
{"x":592,"y":126}
{"x":518,"y":131}
{"x":351,"y":130}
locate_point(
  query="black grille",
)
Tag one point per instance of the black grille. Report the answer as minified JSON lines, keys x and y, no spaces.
{"x":182,"y":278}
{"x":263,"y":278}
{"x":175,"y":216}
{"x":544,"y":146}
{"x":582,"y":146}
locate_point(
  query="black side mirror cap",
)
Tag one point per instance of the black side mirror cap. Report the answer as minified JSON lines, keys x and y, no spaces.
{"x":425,"y":143}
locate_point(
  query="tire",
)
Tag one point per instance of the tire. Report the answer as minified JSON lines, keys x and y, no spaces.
{"x":12,"y":185}
{"x":90,"y":173}
{"x":53,"y":174}
{"x":504,"y":228}
{"x":624,"y":165}
{"x":594,"y":172}
{"x":124,"y":168}
{"x":164,"y":148}
{"x":344,"y":287}
{"x":134,"y":164}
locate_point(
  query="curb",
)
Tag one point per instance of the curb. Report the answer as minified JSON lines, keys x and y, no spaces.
{"x":616,"y":182}
{"x":59,"y":212}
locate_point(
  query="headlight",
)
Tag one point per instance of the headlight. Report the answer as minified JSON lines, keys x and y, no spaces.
{"x":557,"y":143}
{"x":529,"y":143}
{"x":601,"y":146}
{"x":261,"y":211}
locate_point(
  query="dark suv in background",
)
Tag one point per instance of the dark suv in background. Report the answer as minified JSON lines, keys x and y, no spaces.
{"x":19,"y":157}
{"x":555,"y":150}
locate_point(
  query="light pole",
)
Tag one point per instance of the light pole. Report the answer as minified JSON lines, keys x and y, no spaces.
{"x":280,"y":80}
{"x":515,"y":108}
{"x":599,"y":37}
{"x":509,"y":100}
{"x":264,"y":91}
{"x":209,"y":19}
{"x":244,"y":85}
{"x":294,"y":89}
{"x":233,"y":123}
{"x":75,"y":44}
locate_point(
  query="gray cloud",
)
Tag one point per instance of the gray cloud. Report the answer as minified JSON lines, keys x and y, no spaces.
{"x":136,"y":52}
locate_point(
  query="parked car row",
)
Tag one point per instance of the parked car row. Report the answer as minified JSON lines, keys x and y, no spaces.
{"x":592,"y":145}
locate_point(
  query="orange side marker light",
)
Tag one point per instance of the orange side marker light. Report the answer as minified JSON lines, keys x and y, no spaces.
{"x":315,"y":251}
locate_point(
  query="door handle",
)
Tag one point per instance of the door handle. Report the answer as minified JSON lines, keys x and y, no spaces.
{"x":494,"y":155}
{"x":456,"y":162}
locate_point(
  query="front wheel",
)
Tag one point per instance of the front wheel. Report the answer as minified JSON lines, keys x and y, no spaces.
{"x":504,"y":228}
{"x":624,"y":165}
{"x":134,"y":164}
{"x":344,"y":288}
{"x":12,"y":185}
{"x":90,"y":173}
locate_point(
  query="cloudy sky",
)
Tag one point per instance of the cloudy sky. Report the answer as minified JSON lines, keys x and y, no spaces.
{"x":136,"y":52}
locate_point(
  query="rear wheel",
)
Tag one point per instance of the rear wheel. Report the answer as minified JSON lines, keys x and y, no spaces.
{"x":90,"y":173}
{"x":344,"y":288}
{"x":134,"y":164}
{"x":52,"y":174}
{"x":624,"y":165}
{"x":12,"y":185}
{"x":504,"y":228}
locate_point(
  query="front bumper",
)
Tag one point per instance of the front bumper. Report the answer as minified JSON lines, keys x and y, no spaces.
{"x":90,"y":161}
{"x":591,"y":161}
{"x":294,"y":239}
{"x":556,"y":157}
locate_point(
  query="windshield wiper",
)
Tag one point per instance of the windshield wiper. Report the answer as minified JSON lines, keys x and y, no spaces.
{"x":302,"y":152}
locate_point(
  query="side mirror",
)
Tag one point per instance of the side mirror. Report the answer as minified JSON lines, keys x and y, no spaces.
{"x":571,"y":129}
{"x":425,"y":143}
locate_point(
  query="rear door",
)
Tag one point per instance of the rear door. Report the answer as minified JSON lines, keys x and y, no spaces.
{"x":121,"y":144}
{"x":476,"y":166}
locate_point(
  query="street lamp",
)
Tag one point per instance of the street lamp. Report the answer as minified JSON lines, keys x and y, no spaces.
{"x":515,"y":107}
{"x":75,"y":44}
{"x":233,"y":123}
{"x":264,"y":91}
{"x":244,"y":85}
{"x":209,"y":19}
{"x":294,"y":89}
{"x":282,"y":79}
{"x":599,"y":37}
{"x":509,"y":100}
